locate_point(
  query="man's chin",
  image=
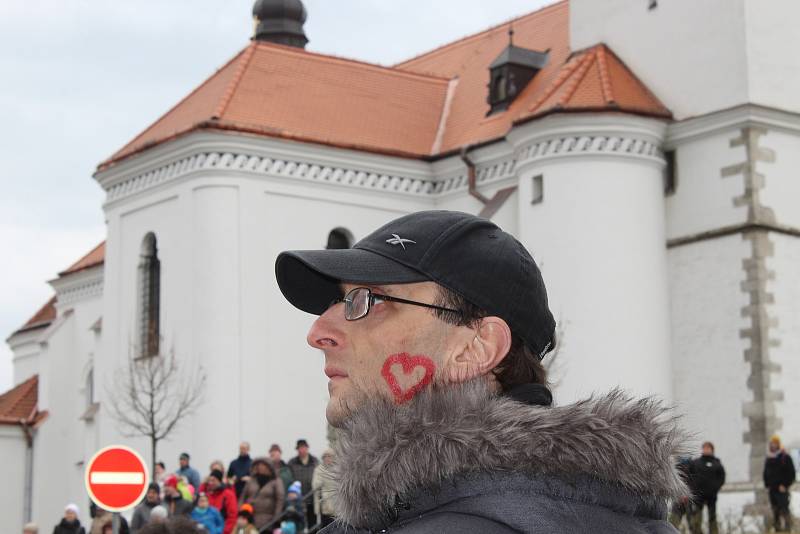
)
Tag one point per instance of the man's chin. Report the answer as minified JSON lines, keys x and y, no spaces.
{"x":336,"y":413}
{"x":341,"y":407}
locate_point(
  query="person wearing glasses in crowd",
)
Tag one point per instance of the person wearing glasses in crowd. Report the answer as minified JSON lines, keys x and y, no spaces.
{"x":433,"y":329}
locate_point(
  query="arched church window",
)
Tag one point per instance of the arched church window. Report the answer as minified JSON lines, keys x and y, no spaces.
{"x":149,"y":297}
{"x":339,"y":238}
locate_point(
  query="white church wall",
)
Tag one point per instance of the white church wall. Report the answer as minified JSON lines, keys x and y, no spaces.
{"x":707,"y":350}
{"x":598,"y":234}
{"x":781,"y":186}
{"x":770,"y":37}
{"x":59,"y":453}
{"x":785,"y":288}
{"x":12,"y":450}
{"x":703,"y":198}
{"x":163,"y":213}
{"x":690,"y":54}
{"x":26,"y":349}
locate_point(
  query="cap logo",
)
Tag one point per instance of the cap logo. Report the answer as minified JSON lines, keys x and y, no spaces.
{"x":397,"y":240}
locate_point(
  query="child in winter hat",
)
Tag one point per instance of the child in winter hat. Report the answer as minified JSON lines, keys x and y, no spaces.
{"x":244,"y":522}
{"x":295,"y":487}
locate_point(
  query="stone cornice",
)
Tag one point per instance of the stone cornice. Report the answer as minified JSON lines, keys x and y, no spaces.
{"x":581,"y":136}
{"x":20,"y":338}
{"x":733,"y":118}
{"x":218,"y":154}
{"x":78,"y":286}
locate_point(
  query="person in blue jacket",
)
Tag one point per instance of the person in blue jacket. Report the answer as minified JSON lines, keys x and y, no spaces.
{"x":207,"y":516}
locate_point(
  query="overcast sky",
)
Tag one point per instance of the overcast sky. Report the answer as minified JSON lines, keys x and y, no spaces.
{"x":78,"y":79}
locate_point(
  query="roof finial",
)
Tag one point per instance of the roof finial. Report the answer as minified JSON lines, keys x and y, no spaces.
{"x":510,"y":34}
{"x":280,"y":21}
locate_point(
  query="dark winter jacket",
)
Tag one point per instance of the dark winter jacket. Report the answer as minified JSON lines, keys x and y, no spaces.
{"x":240,"y":468}
{"x":707,"y":477}
{"x":304,"y":472}
{"x":267,"y":500}
{"x":69,"y":527}
{"x":778,"y":470}
{"x":462,"y":459}
{"x":286,"y":474}
{"x":177,"y":506}
{"x":141,"y":516}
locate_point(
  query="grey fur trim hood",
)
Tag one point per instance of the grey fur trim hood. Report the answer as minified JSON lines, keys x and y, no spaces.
{"x":389,"y":454}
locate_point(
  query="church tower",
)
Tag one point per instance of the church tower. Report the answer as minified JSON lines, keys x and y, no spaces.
{"x":727,"y":71}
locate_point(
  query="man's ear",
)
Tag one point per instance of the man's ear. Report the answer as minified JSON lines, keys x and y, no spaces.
{"x":489,"y":344}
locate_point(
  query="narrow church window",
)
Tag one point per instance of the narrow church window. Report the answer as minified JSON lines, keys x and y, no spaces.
{"x":90,"y":387}
{"x":339,"y":238}
{"x":537,"y":195}
{"x":500,"y":87}
{"x":670,"y":173}
{"x":149,"y":296}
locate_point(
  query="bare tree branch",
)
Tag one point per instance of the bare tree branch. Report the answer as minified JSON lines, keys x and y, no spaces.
{"x":151,"y":396}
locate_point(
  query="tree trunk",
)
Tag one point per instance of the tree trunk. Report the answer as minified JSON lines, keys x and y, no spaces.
{"x":153,"y":444}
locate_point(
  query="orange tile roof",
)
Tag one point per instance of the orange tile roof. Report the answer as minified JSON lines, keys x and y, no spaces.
{"x":281,"y":91}
{"x":95,"y":257}
{"x":286,"y":92}
{"x":596,"y":79}
{"x":19,"y":404}
{"x":41,"y":318}
{"x":47,"y":313}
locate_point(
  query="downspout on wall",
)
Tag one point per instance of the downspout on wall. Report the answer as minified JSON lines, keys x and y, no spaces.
{"x":27,"y":509}
{"x":490,"y":205}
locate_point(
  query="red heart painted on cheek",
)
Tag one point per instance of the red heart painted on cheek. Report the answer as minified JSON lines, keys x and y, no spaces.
{"x":409,"y":364}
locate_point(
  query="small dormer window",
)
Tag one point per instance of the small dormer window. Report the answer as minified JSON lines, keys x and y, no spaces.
{"x":510,"y":73}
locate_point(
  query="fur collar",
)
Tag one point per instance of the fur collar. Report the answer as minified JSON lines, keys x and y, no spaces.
{"x":387,"y":452}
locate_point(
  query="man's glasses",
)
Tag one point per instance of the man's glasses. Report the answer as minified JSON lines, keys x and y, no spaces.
{"x":358,"y":301}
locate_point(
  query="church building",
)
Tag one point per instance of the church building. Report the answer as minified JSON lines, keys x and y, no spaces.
{"x":644,"y":151}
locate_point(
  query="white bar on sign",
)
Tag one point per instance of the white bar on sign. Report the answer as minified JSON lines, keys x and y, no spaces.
{"x":109,"y":477}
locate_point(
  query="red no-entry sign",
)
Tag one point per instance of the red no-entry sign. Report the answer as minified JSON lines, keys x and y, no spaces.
{"x":116,"y":478}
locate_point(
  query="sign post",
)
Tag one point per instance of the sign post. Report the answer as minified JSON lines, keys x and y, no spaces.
{"x":116,"y":480}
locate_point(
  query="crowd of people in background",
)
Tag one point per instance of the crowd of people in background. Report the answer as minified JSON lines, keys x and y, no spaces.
{"x":268,"y":494}
{"x":262,"y":494}
{"x":705,"y":476}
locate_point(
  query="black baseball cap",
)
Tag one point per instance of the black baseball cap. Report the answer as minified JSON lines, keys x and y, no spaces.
{"x":466,"y":254}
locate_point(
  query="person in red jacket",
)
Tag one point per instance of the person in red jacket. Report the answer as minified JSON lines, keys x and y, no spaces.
{"x":222,"y":497}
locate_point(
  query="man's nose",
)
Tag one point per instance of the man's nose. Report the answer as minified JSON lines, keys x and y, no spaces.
{"x":326,"y":332}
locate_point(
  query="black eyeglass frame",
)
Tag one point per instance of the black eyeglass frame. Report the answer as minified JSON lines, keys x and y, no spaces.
{"x":371,"y":301}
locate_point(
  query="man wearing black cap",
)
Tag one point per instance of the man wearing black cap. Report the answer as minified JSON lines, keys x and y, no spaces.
{"x":433,"y":330}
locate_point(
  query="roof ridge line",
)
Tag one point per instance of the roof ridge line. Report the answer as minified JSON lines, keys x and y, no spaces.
{"x":605,"y":78}
{"x":227,"y":96}
{"x":636,"y":78}
{"x":342,"y":59}
{"x":448,"y":102}
{"x":111,"y":159}
{"x":580,"y":73}
{"x":482,"y":32}
{"x":24,"y":388}
{"x":566,"y":71}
